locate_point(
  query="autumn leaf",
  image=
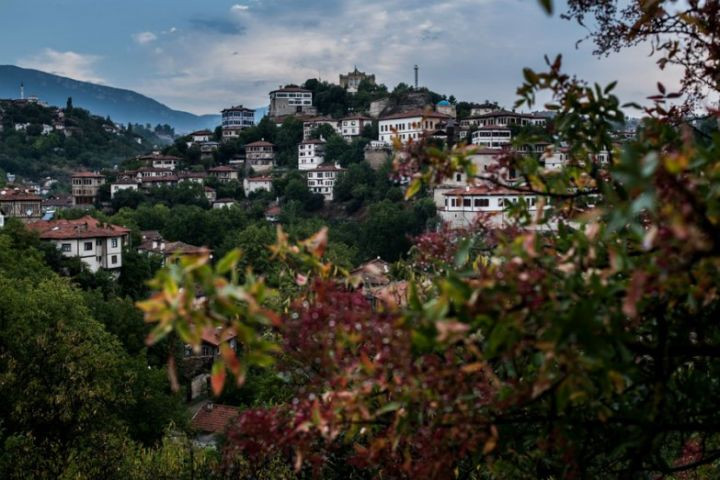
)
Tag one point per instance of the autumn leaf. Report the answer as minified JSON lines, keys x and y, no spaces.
{"x":217,"y":377}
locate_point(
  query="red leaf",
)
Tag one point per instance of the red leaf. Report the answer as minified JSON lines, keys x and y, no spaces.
{"x":217,"y":377}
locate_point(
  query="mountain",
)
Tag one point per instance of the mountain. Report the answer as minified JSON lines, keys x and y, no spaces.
{"x":123,"y":106}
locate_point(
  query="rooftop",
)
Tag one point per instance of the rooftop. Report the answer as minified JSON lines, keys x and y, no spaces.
{"x":85,"y":227}
{"x":418,"y":112}
{"x":211,"y":418}
{"x":86,"y":175}
{"x":259,"y":143}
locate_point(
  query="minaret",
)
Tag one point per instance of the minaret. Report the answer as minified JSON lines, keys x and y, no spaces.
{"x":416,"y":77}
{"x":22,"y":91}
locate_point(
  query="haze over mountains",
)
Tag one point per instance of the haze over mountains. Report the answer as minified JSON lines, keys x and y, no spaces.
{"x":121,"y":105}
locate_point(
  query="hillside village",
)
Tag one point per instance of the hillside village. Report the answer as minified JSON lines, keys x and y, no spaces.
{"x":230,"y":165}
{"x":309,"y":159}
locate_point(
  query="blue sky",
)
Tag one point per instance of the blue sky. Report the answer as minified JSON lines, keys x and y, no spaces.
{"x":203,"y":55}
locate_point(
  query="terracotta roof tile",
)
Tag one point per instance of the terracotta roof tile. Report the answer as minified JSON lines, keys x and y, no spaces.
{"x":211,"y":418}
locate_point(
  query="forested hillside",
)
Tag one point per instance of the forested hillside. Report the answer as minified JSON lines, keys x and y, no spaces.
{"x":38,"y":141}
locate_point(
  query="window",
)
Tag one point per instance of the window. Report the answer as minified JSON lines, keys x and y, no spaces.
{"x":466,"y":202}
{"x":113,"y":259}
{"x":98,"y":242}
{"x":88,"y":246}
{"x":66,"y":247}
{"x":458,"y":177}
{"x":482,"y":202}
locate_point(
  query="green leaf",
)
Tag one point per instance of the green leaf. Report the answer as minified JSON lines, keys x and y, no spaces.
{"x":229,"y":261}
{"x":413,"y":188}
{"x":389,"y":407}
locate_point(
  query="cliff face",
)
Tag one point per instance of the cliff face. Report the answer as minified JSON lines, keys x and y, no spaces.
{"x":403,"y":103}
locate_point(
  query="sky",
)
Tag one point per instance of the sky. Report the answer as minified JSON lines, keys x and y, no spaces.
{"x":204,"y":55}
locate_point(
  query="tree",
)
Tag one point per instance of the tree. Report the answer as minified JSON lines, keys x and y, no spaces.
{"x":684,"y":36}
{"x":69,"y":105}
{"x":579,"y":342}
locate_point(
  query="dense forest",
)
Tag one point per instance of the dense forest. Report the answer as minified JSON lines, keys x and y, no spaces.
{"x":77,"y":140}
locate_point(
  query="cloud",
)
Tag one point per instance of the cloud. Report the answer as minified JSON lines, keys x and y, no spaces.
{"x":143,"y":38}
{"x":473,"y":49}
{"x":67,"y":64}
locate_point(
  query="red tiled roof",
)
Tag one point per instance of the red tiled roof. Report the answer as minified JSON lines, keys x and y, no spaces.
{"x":259,"y":179}
{"x":160,"y":178}
{"x":222,"y":168}
{"x":483,"y":190}
{"x":273,"y":211}
{"x":212,"y":335}
{"x":86,"y":175}
{"x":357,"y":117}
{"x":316,"y":141}
{"x":259,"y":143}
{"x":85,"y":227}
{"x":418,"y":112}
{"x":201,"y":133}
{"x":319,"y":119}
{"x":12,"y":195}
{"x":211,"y":418}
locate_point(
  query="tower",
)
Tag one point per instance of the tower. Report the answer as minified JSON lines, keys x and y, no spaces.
{"x":416,"y":76}
{"x":22,"y":91}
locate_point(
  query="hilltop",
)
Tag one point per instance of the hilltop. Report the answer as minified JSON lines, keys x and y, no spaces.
{"x":37,"y":141}
{"x":123,"y":106}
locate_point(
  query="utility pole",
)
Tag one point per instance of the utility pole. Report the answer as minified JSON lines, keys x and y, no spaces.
{"x":416,"y":77}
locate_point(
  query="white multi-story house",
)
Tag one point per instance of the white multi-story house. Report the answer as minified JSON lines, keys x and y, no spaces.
{"x":410,"y":125}
{"x":492,"y":137}
{"x":20,"y":204}
{"x":311,"y":153}
{"x":235,"y":120}
{"x":125,"y":183}
{"x":97,"y":244}
{"x":311,"y":123}
{"x":353,"y":125}
{"x":156,"y":160}
{"x":322,"y":180}
{"x":464,"y":207}
{"x":260,"y":155}
{"x":504,"y":118}
{"x":201,"y":136}
{"x":224,"y":173}
{"x":257,"y":184}
{"x":291,"y":100}
{"x":86,"y":187}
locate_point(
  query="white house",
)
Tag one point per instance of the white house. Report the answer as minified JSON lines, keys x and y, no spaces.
{"x":492,"y":137}
{"x":156,"y":160}
{"x":201,"y":136}
{"x":504,"y":118}
{"x":224,"y":173}
{"x":260,"y":155}
{"x":127,"y":183}
{"x":311,"y":123}
{"x":235,"y":120}
{"x":223,"y":203}
{"x":311,"y":153}
{"x":410,"y":125}
{"x":464,"y":207}
{"x":353,"y":125}
{"x":322,"y":180}
{"x":256,"y":184}
{"x":291,"y":100}
{"x":97,"y":244}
